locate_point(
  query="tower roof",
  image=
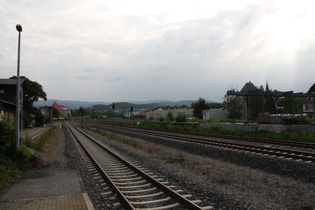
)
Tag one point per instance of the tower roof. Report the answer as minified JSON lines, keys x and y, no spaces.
{"x":312,"y":89}
{"x":248,"y":87}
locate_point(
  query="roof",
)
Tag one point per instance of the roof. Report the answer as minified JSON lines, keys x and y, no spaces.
{"x":312,"y":89}
{"x":7,"y":102}
{"x":59,"y":107}
{"x":143,"y":113}
{"x":10,"y":81}
{"x":248,"y":87}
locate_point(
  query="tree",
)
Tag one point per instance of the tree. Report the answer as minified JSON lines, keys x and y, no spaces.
{"x":255,"y":107}
{"x":181,"y":117}
{"x":286,"y":105}
{"x":198,"y":107}
{"x":169,"y":117}
{"x":32,"y":93}
{"x":215,"y":105}
{"x":234,"y":105}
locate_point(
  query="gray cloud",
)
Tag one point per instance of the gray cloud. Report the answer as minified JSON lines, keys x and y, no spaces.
{"x":81,"y":50}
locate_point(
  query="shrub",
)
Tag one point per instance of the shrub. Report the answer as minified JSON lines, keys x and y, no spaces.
{"x":303,"y":120}
{"x":23,"y":157}
{"x":7,"y":137}
{"x":181,"y":117}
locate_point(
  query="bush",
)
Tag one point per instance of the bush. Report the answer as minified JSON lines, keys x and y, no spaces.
{"x":181,"y":117}
{"x":303,"y":120}
{"x":7,"y":137}
{"x":8,"y":175}
{"x":23,"y":157}
{"x":169,"y":117}
{"x":12,"y":161}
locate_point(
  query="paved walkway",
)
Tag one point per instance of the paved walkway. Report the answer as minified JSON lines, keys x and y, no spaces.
{"x":47,"y":189}
{"x":36,"y":131}
{"x":68,"y":202}
{"x":54,"y":188}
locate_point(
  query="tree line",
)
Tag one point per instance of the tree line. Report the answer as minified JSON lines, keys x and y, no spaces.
{"x":234,"y":105}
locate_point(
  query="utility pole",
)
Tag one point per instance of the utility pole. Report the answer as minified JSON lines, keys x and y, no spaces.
{"x":17,"y":105}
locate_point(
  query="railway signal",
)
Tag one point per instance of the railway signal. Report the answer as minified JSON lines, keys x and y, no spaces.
{"x":81,"y":114}
{"x":81,"y":110}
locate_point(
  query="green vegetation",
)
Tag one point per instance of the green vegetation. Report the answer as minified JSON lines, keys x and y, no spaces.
{"x":14,"y":162}
{"x":31,"y":93}
{"x":169,"y":117}
{"x":198,"y":107}
{"x":181,"y":117}
{"x":289,"y":135}
{"x":39,"y":143}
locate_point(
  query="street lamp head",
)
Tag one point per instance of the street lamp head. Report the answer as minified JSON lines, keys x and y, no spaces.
{"x":19,"y":28}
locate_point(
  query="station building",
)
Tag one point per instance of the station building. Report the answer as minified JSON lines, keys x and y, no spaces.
{"x":64,"y":112}
{"x":8,"y":99}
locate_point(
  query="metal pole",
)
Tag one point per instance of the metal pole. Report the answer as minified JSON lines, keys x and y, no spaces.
{"x":263,"y":109}
{"x":17,"y":110}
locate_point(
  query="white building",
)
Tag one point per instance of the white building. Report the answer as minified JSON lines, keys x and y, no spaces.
{"x":159,"y":113}
{"x":215,"y":114}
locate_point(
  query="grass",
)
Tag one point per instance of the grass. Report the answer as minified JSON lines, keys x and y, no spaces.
{"x":289,"y":134}
{"x":39,"y":142}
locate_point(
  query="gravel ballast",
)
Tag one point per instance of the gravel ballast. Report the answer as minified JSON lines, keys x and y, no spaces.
{"x":224,"y":179}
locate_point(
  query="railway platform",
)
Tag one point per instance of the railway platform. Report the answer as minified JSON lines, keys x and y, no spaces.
{"x":47,"y":189}
{"x":51,"y":188}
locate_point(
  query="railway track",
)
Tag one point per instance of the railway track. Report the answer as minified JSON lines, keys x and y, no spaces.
{"x":235,"y":144}
{"x":135,"y":187}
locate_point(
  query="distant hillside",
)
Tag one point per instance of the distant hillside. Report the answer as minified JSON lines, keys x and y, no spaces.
{"x":123,"y":106}
{"x":97,"y":106}
{"x":69,"y":104}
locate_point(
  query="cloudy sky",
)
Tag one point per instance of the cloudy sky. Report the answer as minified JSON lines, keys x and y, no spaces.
{"x":122,"y":50}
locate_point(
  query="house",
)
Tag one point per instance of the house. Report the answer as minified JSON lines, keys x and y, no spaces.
{"x":247,"y":88}
{"x":8,"y":99}
{"x":133,"y":113}
{"x":159,"y":113}
{"x":308,"y":102}
{"x":215,"y":114}
{"x":64,"y":112}
{"x":143,"y":113}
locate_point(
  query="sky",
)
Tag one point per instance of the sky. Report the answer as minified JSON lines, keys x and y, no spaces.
{"x":140,"y":50}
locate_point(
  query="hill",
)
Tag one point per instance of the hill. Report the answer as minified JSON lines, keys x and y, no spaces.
{"x":119,"y":105}
{"x":67,"y":103}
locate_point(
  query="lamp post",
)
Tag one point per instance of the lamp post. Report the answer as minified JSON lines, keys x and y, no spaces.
{"x":17,"y":110}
